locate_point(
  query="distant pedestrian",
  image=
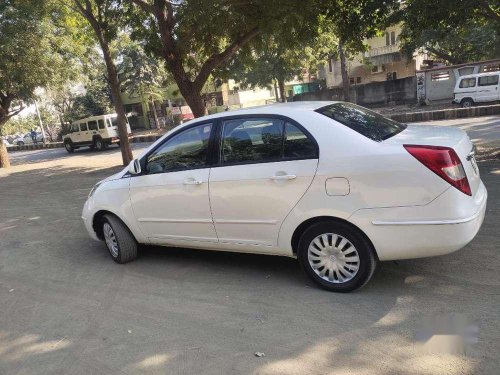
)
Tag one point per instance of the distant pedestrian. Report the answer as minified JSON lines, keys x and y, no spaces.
{"x":33,"y":136}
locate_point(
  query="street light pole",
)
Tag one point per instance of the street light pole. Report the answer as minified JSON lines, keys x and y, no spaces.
{"x":40,"y":121}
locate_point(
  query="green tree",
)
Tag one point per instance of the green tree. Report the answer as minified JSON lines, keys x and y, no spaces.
{"x":453,"y":31}
{"x":269,"y":63}
{"x":31,"y":56}
{"x":195,"y":37}
{"x":142,"y":74}
{"x":351,"y":22}
{"x":105,"y":19}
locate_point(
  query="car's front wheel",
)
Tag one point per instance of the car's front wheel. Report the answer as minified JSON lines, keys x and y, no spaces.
{"x":121,"y":244}
{"x":336,"y":256}
{"x":20,"y":143}
{"x":69,"y":147}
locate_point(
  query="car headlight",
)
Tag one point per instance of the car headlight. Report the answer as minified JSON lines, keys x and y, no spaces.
{"x":92,"y":191}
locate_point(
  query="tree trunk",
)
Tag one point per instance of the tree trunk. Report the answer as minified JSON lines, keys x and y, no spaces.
{"x":276,"y":95}
{"x":343,"y":70}
{"x":117,"y":99}
{"x":194,"y":100}
{"x":4,"y":156}
{"x":281,"y":85}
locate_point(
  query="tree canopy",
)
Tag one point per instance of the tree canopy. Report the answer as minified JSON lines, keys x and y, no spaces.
{"x":453,"y":31}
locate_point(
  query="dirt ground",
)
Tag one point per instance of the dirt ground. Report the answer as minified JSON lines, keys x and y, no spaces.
{"x":67,"y":308}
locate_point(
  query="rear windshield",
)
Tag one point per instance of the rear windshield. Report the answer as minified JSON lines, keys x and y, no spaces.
{"x":362,"y":120}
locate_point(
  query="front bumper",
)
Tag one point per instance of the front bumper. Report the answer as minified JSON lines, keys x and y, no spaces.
{"x":87,"y":217}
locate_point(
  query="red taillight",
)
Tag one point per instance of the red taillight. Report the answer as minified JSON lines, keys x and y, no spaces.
{"x":444,"y":162}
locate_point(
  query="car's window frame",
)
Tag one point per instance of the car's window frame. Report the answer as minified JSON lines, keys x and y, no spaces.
{"x":256,"y":116}
{"x":488,"y":84}
{"x":214,"y":149}
{"x":401,"y":126}
{"x":467,"y":78}
{"x":96,"y":124}
{"x":208,"y":163}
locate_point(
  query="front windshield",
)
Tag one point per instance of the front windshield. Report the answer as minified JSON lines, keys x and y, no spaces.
{"x":364,"y":121}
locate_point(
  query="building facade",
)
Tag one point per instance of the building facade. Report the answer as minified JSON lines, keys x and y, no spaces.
{"x":382,"y":61}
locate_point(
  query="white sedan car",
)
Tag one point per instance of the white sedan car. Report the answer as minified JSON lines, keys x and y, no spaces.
{"x":333,"y":184}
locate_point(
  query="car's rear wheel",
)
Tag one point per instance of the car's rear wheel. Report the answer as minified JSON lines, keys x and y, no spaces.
{"x":336,"y":256}
{"x":20,"y":143}
{"x":99,"y":144}
{"x":467,"y":103}
{"x":121,"y":244}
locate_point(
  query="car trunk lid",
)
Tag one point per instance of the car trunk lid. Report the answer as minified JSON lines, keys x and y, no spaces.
{"x":445,"y":136}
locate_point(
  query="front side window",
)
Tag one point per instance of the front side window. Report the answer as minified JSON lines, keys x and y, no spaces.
{"x":101,"y":124}
{"x":251,"y":139}
{"x":362,"y":120}
{"x":75,"y":128}
{"x":83,"y":127}
{"x":488,"y":81}
{"x":92,"y":125}
{"x":186,"y":150}
{"x":467,"y":82}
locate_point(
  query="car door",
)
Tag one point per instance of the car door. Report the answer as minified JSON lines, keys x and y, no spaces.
{"x":266,"y":165}
{"x":487,"y":88}
{"x":84,"y":135}
{"x":170,"y":199}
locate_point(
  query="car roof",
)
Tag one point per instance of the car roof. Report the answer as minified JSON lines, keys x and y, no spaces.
{"x":274,"y":109}
{"x":91,"y":118}
{"x":480,"y":74}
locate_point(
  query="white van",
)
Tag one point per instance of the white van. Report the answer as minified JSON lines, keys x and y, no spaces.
{"x":95,"y":132}
{"x":477,"y":88}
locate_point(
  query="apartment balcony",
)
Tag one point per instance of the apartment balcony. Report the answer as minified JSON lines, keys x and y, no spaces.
{"x":384,"y":55}
{"x":384,"y":50}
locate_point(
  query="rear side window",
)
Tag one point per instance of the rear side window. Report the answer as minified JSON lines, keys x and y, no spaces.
{"x":467,"y":82}
{"x":83,"y":127}
{"x":101,"y":124}
{"x":297,"y":144}
{"x":368,"y":123}
{"x":92,"y":125}
{"x":252,"y":139}
{"x":488,"y":81}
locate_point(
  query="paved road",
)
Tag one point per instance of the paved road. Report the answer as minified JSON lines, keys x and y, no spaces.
{"x":66,"y":308}
{"x":484,"y":131}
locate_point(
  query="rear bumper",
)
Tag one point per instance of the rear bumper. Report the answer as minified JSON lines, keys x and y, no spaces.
{"x":419,"y":231}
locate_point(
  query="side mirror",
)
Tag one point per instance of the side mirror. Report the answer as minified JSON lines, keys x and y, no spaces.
{"x":134,"y":167}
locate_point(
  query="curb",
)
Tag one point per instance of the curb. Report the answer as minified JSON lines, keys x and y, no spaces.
{"x":447,"y":114}
{"x":42,"y":146}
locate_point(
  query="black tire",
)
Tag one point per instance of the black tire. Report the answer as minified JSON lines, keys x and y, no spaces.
{"x":467,"y":103}
{"x":366,"y":254}
{"x":127,"y":245}
{"x":99,"y":144}
{"x":20,"y":144}
{"x":68,"y":145}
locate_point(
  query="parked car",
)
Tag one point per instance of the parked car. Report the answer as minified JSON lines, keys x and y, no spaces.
{"x":95,"y":132}
{"x":477,"y":88}
{"x":27,"y":140}
{"x":5,"y":142}
{"x":333,"y":184}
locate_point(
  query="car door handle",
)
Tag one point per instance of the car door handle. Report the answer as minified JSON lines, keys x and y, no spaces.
{"x":192,"y":181}
{"x":278,"y":177}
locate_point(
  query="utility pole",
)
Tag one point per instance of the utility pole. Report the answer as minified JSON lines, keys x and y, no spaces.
{"x":40,"y":121}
